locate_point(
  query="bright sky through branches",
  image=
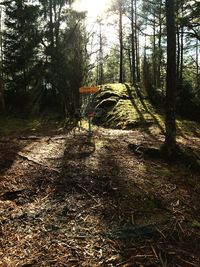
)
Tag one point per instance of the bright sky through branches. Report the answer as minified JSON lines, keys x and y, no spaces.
{"x":94,"y":8}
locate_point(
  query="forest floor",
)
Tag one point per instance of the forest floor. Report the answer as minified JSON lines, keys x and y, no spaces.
{"x":70,"y":200}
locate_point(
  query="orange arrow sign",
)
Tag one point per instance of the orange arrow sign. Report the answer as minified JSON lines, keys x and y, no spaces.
{"x":89,"y":90}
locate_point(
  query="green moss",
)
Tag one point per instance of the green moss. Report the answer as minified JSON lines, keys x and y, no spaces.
{"x":18,"y":126}
{"x":107,"y":94}
{"x":10,"y":125}
{"x":129,"y":111}
{"x":108,"y":102}
{"x":118,"y":90}
{"x":132,"y":110}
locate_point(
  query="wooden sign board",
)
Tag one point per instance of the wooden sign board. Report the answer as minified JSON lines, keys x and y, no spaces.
{"x":89,"y":90}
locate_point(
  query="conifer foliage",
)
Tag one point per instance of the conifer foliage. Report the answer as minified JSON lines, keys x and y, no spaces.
{"x":43,"y":56}
{"x":20,"y":49}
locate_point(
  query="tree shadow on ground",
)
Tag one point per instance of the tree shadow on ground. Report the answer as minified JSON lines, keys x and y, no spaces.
{"x":106,"y":207}
{"x":134,"y":217}
{"x":138,"y":214}
{"x":80,"y":147}
{"x":20,"y":175}
{"x":9,"y":149}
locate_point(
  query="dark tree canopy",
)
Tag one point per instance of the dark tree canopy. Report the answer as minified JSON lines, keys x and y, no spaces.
{"x":44,"y":56}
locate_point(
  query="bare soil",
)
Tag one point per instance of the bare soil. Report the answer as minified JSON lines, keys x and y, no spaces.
{"x":70,"y":200}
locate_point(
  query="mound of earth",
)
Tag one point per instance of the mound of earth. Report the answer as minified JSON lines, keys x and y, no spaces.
{"x":124,"y":107}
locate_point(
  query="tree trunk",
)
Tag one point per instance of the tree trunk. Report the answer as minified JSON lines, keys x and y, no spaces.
{"x":181,"y":56}
{"x":154,"y":58}
{"x":137,"y":53}
{"x":170,"y":122}
{"x":197,"y":67}
{"x":100,"y":55}
{"x":178,"y":45}
{"x":2,"y":102}
{"x":121,"y":44}
{"x":133,"y":43}
{"x":138,"y":57}
{"x":130,"y":64}
{"x":51,"y":27}
{"x":158,"y":78}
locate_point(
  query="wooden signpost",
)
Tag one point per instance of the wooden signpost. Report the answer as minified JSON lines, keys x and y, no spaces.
{"x":89,"y":90}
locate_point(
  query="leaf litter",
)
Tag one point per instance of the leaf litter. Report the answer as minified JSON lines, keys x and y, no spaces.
{"x":71,"y":200}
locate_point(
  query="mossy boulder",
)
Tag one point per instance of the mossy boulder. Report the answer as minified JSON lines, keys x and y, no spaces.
{"x":107,"y":103}
{"x":107,"y":94}
{"x":123,"y":108}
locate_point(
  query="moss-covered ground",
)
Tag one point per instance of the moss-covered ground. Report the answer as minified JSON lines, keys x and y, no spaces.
{"x":132,"y":109}
{"x":15,"y":126}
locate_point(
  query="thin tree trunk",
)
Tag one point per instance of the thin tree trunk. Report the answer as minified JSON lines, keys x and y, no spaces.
{"x":170,"y":123}
{"x":100,"y":55}
{"x":181,"y":56}
{"x":2,"y":101}
{"x":197,"y":64}
{"x":178,"y":45}
{"x":130,"y":64}
{"x":154,"y":52}
{"x":136,"y":44}
{"x":138,"y":58}
{"x":121,"y":44}
{"x":181,"y":45}
{"x":133,"y":43}
{"x":51,"y":24}
{"x":159,"y":48}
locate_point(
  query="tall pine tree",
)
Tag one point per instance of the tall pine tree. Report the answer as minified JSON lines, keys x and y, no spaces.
{"x":20,"y":49}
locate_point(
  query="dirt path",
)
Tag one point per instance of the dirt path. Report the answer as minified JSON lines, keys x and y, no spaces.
{"x":67,"y":200}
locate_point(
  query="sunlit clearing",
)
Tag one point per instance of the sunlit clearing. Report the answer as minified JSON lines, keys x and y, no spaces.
{"x":94,"y":8}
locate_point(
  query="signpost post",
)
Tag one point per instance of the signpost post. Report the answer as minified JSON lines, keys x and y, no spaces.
{"x":90,"y":114}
